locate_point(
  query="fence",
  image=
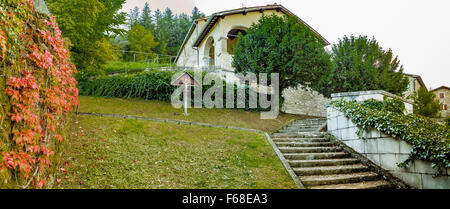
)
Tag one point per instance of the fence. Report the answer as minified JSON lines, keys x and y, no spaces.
{"x":134,"y":61}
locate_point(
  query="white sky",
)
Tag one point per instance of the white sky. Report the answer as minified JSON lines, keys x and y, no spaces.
{"x":417,"y":31}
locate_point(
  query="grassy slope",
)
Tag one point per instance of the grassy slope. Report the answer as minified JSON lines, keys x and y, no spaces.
{"x":157,"y":109}
{"x":120,"y":153}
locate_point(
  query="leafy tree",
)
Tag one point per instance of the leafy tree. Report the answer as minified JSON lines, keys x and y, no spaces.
{"x":108,"y":50}
{"x":86,"y":23}
{"x":426,"y":103}
{"x":283,"y":45}
{"x":360,"y":64}
{"x":141,"y":40}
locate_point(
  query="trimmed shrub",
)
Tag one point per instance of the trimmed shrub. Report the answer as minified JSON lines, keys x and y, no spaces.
{"x":150,"y":85}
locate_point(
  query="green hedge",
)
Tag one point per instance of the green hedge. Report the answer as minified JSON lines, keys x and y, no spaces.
{"x":430,"y":140}
{"x":149,"y":85}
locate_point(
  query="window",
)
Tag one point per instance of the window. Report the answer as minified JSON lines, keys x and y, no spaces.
{"x":441,"y":95}
{"x":233,"y":38}
{"x":445,"y":107}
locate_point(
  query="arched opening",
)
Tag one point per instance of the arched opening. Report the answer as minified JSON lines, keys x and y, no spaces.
{"x":233,"y":38}
{"x":210,"y":52}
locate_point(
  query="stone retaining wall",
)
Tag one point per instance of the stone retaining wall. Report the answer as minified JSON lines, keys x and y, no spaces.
{"x":304,"y":101}
{"x":385,"y":151}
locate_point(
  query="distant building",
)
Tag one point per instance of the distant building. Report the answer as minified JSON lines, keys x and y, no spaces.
{"x":415,"y":82}
{"x":443,"y":94}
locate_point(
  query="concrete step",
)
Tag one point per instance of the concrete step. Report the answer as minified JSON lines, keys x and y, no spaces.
{"x":300,"y":140}
{"x":307,"y":123}
{"x":310,"y":121}
{"x":314,"y":156}
{"x":304,"y":144}
{"x":309,"y":149}
{"x":380,"y":184}
{"x":296,"y":130}
{"x":323,"y":162}
{"x":300,"y":127}
{"x":299,"y":135}
{"x":328,"y":170}
{"x":317,"y":180}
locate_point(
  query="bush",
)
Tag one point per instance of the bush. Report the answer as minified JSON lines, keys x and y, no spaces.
{"x":395,"y":105}
{"x":426,"y":103}
{"x":149,"y":85}
{"x":430,"y":140}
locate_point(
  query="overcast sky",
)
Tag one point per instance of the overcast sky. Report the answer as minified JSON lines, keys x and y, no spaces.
{"x":418,"y":31}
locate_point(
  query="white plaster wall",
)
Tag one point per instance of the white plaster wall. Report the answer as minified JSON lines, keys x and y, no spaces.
{"x":223,"y":60}
{"x":385,"y":152}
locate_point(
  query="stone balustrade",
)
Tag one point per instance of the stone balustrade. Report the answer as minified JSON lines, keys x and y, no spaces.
{"x":383,"y":150}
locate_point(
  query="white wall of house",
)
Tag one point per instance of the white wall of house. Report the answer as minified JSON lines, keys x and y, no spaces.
{"x":222,"y":59}
{"x":298,"y":100}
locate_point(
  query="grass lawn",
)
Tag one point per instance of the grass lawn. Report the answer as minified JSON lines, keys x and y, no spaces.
{"x":158,"y":109}
{"x":123,"y":153}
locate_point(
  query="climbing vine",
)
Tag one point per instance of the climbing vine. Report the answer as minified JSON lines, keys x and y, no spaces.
{"x":39,"y":92}
{"x":430,"y":141}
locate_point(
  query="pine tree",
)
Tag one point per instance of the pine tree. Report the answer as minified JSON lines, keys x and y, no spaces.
{"x":158,"y":17}
{"x":196,"y":14}
{"x":146,"y":17}
{"x":167,"y":31}
{"x":133,"y":17}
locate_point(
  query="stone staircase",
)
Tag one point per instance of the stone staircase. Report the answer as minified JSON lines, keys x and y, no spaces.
{"x":320,"y":163}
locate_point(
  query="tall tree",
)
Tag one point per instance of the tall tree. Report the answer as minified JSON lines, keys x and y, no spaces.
{"x":196,"y":14}
{"x":180,"y":30}
{"x":146,"y":17}
{"x":133,"y":17}
{"x":167,"y":31}
{"x":86,"y":23}
{"x":159,"y":32}
{"x":361,"y":64}
{"x":282,"y":45}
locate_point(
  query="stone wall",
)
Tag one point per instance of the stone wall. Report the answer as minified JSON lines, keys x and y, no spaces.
{"x":304,"y":101}
{"x":385,"y":151}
